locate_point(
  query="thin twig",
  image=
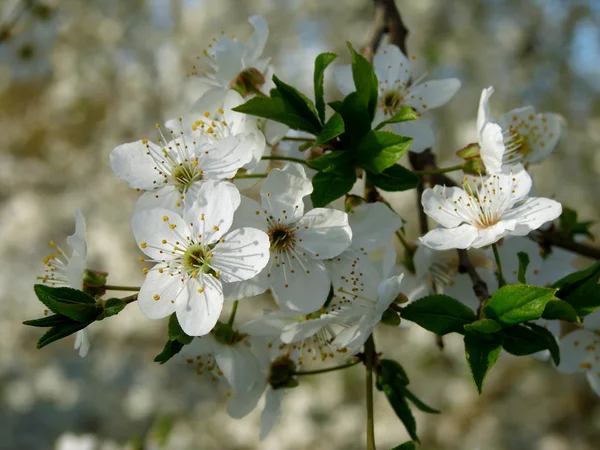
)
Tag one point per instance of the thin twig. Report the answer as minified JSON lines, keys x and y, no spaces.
{"x":370,"y":355}
{"x":328,"y":369}
{"x":550,"y":238}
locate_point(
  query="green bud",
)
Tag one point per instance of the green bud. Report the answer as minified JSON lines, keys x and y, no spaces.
{"x":281,"y":373}
{"x":400,"y":299}
{"x":474,"y":166}
{"x":390,"y":317}
{"x":94,"y":278}
{"x":223,"y":333}
{"x":469,"y":151}
{"x":352,"y":201}
{"x":248,"y":82}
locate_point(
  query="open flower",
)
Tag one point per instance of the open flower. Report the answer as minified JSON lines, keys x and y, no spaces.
{"x":396,"y":90}
{"x":476,"y":217}
{"x":580,"y":352}
{"x":171,"y":169}
{"x":299,"y":242}
{"x":194,"y":257}
{"x":228,"y":63}
{"x":65,"y":271}
{"x":519,"y":136}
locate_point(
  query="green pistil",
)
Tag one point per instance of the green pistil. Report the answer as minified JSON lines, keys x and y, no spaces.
{"x":197,"y":259}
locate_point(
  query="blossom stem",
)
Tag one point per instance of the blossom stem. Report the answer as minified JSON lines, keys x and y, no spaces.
{"x":328,"y":369}
{"x":370,"y":363}
{"x":251,"y":175}
{"x":501,"y":280}
{"x":438,"y":171}
{"x":286,"y":158}
{"x":297,"y":139}
{"x":233,"y":313}
{"x":130,"y":299}
{"x":121,"y":288}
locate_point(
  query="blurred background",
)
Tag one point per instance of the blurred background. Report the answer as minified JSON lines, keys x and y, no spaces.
{"x":78,"y":78}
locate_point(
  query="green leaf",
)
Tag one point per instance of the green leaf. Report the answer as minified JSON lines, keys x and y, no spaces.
{"x":570,"y":227}
{"x":485,"y":326}
{"x":406,"y":113}
{"x":49,"y":321}
{"x":365,"y":81}
{"x":408,"y":445}
{"x":298,"y":102}
{"x":391,"y":372}
{"x":336,"y":105}
{"x":277,"y":109}
{"x":394,"y":178}
{"x":523,"y":263}
{"x":113,"y":306}
{"x":402,"y":410}
{"x":74,"y":304}
{"x":332,"y":129}
{"x":323,"y":60}
{"x":170,"y":350}
{"x":378,"y":150}
{"x":337,"y":161}
{"x":356,"y":120}
{"x":482,"y":352}
{"x":330,"y":186}
{"x":439,"y":314}
{"x":581,"y":290}
{"x":417,"y":402}
{"x":519,"y":303}
{"x":560,"y":310}
{"x":575,"y":280}
{"x":529,"y":338}
{"x":175,"y":331}
{"x":60,"y":331}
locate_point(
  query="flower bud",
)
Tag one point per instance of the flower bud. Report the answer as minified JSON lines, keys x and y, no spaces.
{"x":390,"y":317}
{"x":248,"y":82}
{"x":281,"y":373}
{"x":352,"y":201}
{"x":223,"y":333}
{"x":474,"y":166}
{"x":469,"y":151}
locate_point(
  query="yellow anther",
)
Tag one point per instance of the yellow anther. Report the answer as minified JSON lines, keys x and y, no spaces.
{"x":143,"y":244}
{"x":164,"y":241}
{"x":220,"y":110}
{"x":52,"y":244}
{"x":165,"y":218}
{"x":160,"y":270}
{"x":201,"y":290}
{"x":216,"y":228}
{"x":145,"y":271}
{"x":209,"y":130}
{"x":172,"y":226}
{"x":156,"y":297}
{"x":144,"y":141}
{"x":206,"y":114}
{"x":140,"y":259}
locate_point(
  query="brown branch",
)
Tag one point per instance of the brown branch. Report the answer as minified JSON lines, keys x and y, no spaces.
{"x":549,"y":238}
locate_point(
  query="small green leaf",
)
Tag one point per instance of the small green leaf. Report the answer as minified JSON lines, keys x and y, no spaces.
{"x":332,"y":129}
{"x":378,"y":150}
{"x":365,"y":81}
{"x":485,"y":326}
{"x":74,"y":304}
{"x":336,"y":105}
{"x":529,"y":338}
{"x":357,"y":122}
{"x":482,"y":352}
{"x":275,"y":108}
{"x":170,"y":350}
{"x":469,"y":151}
{"x":49,"y":321}
{"x":321,"y":62}
{"x":439,"y":314}
{"x":406,"y":113}
{"x":408,"y":445}
{"x":417,"y":402}
{"x":175,"y":331}
{"x":560,"y":310}
{"x":298,"y":102}
{"x":338,"y":161}
{"x":519,"y":303}
{"x":60,"y":331}
{"x":113,"y":306}
{"x":330,"y":186}
{"x":394,"y":178}
{"x":402,"y":410}
{"x":570,"y":227}
{"x":391,"y":372}
{"x":581,"y":290}
{"x":523,"y":263}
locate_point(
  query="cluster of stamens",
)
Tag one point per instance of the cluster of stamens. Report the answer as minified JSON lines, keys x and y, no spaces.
{"x":522,"y":135}
{"x":206,"y":364}
{"x":55,"y":272}
{"x":214,"y":128}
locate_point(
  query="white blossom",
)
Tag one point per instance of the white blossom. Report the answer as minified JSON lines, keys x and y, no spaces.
{"x":299,"y":242}
{"x":395,"y":90}
{"x":194,"y":256}
{"x":518,"y":136}
{"x":473,"y":217}
{"x":67,"y":271}
{"x":580,"y":352}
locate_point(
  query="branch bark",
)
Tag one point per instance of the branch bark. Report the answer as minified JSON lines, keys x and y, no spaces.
{"x":545,"y":238}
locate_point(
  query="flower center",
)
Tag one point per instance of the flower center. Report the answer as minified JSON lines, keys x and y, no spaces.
{"x":517,"y":144}
{"x":282,"y":238}
{"x":185,"y":174}
{"x":197,"y":259}
{"x":391,"y":102}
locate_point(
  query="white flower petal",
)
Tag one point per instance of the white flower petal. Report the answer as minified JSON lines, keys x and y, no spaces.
{"x":256,"y":43}
{"x":223,"y":158}
{"x":355,"y":336}
{"x":131,"y":163}
{"x":491,"y":142}
{"x":283,"y":191}
{"x":241,"y":403}
{"x":388,"y":290}
{"x":421,"y":131}
{"x":532,"y":214}
{"x":248,"y":288}
{"x":198,"y":312}
{"x":592,"y":321}
{"x":159,"y":292}
{"x":305,"y":289}
{"x":239,"y":366}
{"x":228,"y":59}
{"x":391,"y":65}
{"x":153,"y":226}
{"x":77,"y":240}
{"x":432,"y":94}
{"x":324,"y":233}
{"x":271,"y":325}
{"x":439,"y":204}
{"x":373,"y":225}
{"x":82,"y":342}
{"x":167,"y":197}
{"x":212,"y":211}
{"x":447,"y":238}
{"x":250,"y":214}
{"x":577,"y":348}
{"x":493,"y":234}
{"x":300,"y":331}
{"x":343,"y":79}
{"x":271,"y":412}
{"x":593,"y":377}
{"x":483,"y":114}
{"x":242,"y":255}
